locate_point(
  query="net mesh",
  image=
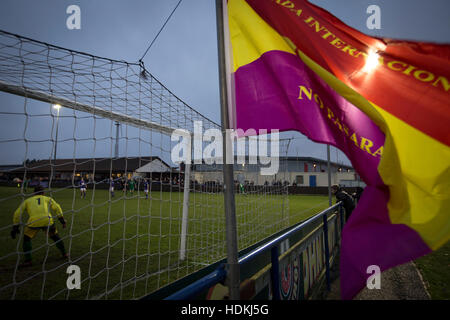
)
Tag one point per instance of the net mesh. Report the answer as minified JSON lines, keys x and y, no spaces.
{"x":113,"y":130}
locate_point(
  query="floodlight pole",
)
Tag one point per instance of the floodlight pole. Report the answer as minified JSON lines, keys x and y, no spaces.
{"x":56,"y":138}
{"x":116,"y":151}
{"x":233,"y":272}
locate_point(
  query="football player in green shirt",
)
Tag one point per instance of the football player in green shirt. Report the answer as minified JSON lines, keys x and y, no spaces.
{"x":131,"y":185}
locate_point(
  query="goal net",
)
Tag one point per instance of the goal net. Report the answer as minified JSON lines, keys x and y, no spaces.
{"x":95,"y":133}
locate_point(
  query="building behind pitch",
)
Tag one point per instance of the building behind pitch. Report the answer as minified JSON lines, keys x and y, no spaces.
{"x":299,"y":171}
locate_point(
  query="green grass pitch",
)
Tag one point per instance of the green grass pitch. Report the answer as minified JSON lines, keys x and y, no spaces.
{"x":117,"y":240}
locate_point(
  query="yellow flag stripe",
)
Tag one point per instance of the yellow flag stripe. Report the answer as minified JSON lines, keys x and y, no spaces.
{"x":250,"y":35}
{"x":420,"y":183}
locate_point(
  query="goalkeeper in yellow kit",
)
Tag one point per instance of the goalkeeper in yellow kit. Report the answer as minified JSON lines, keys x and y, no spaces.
{"x":39,"y":209}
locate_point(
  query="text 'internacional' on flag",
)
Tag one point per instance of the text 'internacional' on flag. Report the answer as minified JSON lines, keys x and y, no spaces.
{"x":384,"y":103}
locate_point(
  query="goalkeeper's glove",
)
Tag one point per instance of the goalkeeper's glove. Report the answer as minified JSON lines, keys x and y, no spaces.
{"x":63,"y":222}
{"x":15,"y":230}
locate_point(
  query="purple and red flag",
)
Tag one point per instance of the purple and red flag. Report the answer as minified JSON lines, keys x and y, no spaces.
{"x":384,"y":103}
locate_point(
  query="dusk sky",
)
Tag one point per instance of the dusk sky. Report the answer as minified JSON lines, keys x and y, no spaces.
{"x":184,"y":57}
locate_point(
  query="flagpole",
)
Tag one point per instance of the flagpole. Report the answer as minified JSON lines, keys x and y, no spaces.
{"x":233,"y":272}
{"x":330,"y":200}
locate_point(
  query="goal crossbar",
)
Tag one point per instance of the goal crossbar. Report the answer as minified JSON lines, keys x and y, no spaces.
{"x":42,"y":96}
